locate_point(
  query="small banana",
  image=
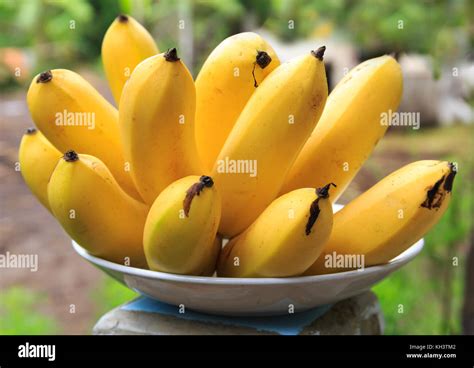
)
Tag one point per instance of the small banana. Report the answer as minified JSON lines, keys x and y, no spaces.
{"x":350,"y":126}
{"x":226,"y":81}
{"x":73,"y":115}
{"x":392,"y":215}
{"x":269,"y":133}
{"x":38,"y":158}
{"x":95,"y":212}
{"x":126,"y":43}
{"x":180,"y":231}
{"x":284,"y":240}
{"x":157,"y":122}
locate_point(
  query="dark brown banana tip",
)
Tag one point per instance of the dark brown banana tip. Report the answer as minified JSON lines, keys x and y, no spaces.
{"x":31,"y":131}
{"x":71,"y":156}
{"x":263,"y":59}
{"x":314,"y":209}
{"x":44,"y":77}
{"x":448,"y":183}
{"x":324,"y":191}
{"x":432,"y":193}
{"x":171,"y":55}
{"x":319,"y":53}
{"x":195,"y":190}
{"x":122,"y":18}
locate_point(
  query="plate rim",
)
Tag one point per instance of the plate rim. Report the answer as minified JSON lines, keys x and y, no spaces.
{"x":402,"y":258}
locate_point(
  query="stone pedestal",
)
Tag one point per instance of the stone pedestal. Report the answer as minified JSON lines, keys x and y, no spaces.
{"x":359,"y":315}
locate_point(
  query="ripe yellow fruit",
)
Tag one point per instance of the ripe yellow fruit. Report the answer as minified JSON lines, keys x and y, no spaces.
{"x":349,"y":128}
{"x":284,"y":240}
{"x":180,"y":231}
{"x":213,"y":257}
{"x":38,"y":158}
{"x":387,"y":219}
{"x":225,"y":83}
{"x":266,"y":139}
{"x":126,"y":43}
{"x":95,"y":211}
{"x":157,"y":122}
{"x":73,"y":115}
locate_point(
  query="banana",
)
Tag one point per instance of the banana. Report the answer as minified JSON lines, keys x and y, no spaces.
{"x":38,"y":158}
{"x":213,"y":256}
{"x":284,"y":240}
{"x":387,"y":219}
{"x":181,"y":227}
{"x":95,"y":211}
{"x":157,"y":123}
{"x":73,"y":115}
{"x":126,"y":43}
{"x":226,"y":81}
{"x":350,"y":126}
{"x":269,"y":133}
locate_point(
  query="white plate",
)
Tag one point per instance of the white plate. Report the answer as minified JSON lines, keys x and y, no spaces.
{"x":249,"y":296}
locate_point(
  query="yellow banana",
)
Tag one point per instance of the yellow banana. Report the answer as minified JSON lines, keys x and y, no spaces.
{"x":157,"y":121}
{"x":126,"y":43}
{"x":180,"y":231}
{"x":73,"y":115}
{"x":284,"y":240}
{"x":349,"y":128}
{"x":213,"y":257}
{"x":38,"y":158}
{"x":226,"y":81}
{"x":95,"y":211}
{"x":266,"y":139}
{"x":392,"y":215}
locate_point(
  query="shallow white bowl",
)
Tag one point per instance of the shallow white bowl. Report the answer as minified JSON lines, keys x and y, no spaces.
{"x":249,"y":296}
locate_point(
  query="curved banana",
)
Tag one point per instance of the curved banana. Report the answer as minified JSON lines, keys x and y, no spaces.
{"x":95,"y":211}
{"x":157,"y":122}
{"x":350,"y":126}
{"x":284,"y":240}
{"x":266,"y":139}
{"x":387,"y":219}
{"x":38,"y":158}
{"x":126,"y":43}
{"x":226,"y":81}
{"x":73,"y":115}
{"x":180,"y":231}
{"x":215,"y":250}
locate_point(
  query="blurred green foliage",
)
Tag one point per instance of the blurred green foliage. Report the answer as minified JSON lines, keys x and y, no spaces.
{"x":65,"y":32}
{"x":382,"y":25}
{"x":110,"y":294}
{"x":20,"y":313}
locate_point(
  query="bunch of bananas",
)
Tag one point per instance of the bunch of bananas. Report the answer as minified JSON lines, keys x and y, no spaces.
{"x":253,"y":151}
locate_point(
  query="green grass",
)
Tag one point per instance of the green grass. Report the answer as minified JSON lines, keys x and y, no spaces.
{"x":20,"y":315}
{"x":110,"y":294}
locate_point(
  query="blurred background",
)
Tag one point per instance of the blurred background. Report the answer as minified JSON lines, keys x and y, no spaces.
{"x":433,"y":41}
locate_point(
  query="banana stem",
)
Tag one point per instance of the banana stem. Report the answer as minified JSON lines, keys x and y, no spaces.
{"x":314,"y":209}
{"x":436,"y":192}
{"x":196,"y":189}
{"x":319,"y":53}
{"x":71,"y":156}
{"x":44,"y":77}
{"x":122,"y":18}
{"x":262,"y":60}
{"x":31,"y":130}
{"x":171,"y":55}
{"x":448,"y":183}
